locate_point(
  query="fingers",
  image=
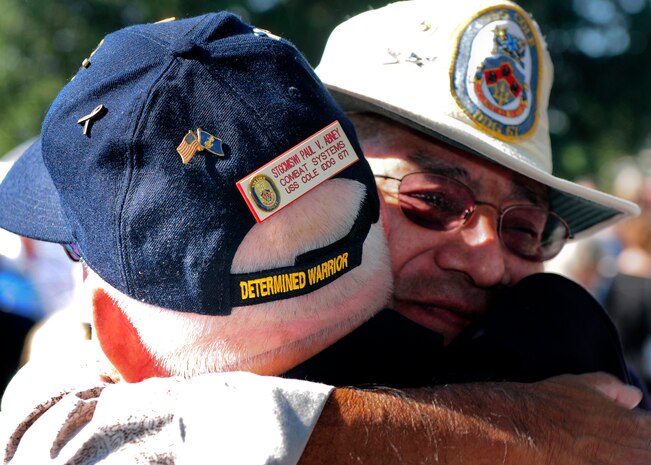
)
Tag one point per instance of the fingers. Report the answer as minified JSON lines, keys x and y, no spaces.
{"x":595,"y":421}
{"x":626,"y":395}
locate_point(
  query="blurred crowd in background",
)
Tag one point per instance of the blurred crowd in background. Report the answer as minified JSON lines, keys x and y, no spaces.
{"x":615,"y":264}
{"x":38,"y":283}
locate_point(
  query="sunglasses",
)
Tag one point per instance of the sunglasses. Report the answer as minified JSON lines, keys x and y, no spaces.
{"x":441,"y":203}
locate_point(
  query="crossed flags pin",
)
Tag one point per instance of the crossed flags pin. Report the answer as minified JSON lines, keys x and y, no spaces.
{"x":197,"y":141}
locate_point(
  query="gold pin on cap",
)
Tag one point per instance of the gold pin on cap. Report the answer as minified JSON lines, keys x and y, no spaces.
{"x":86,"y":62}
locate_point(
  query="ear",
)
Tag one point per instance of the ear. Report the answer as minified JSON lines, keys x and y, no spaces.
{"x":121,"y":342}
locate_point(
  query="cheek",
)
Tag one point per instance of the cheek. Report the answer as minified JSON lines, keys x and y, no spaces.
{"x":395,"y":238}
{"x":520,"y":269}
{"x":407,"y":241}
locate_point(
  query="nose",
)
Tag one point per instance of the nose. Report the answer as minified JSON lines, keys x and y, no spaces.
{"x":476,"y":250}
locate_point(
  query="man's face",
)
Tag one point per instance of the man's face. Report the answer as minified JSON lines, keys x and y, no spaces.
{"x":444,"y":279}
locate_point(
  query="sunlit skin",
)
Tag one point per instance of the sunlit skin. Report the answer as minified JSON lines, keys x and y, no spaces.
{"x":445,"y":279}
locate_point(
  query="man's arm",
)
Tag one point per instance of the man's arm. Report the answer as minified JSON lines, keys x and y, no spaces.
{"x":561,"y":421}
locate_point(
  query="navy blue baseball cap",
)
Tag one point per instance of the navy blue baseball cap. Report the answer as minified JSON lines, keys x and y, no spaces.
{"x":141,"y":152}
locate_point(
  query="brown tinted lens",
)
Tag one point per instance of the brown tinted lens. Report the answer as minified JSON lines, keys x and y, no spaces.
{"x":435,"y":202}
{"x":532,"y":232}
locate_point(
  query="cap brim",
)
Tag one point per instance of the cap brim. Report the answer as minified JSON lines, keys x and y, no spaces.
{"x":585,"y":210}
{"x":29,"y":201}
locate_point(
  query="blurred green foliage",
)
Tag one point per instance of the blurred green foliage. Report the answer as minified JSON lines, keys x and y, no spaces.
{"x":600,"y":103}
{"x":600,"y":108}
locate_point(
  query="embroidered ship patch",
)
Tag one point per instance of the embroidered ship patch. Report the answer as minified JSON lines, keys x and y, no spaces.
{"x":496,"y":72}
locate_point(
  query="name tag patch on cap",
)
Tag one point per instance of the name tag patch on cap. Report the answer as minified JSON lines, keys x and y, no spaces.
{"x":293,"y":174}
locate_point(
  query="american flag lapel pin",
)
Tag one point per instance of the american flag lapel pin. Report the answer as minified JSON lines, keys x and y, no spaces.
{"x":188,"y":147}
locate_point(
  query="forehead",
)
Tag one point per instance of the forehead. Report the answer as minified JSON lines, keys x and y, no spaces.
{"x":397,"y":150}
{"x":479,"y":174}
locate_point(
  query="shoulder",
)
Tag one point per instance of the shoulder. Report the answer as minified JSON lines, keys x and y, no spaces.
{"x":215,"y":415}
